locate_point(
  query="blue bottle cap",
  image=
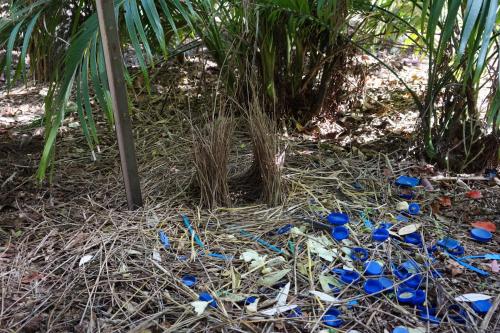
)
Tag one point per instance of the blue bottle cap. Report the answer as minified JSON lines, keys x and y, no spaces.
{"x":250,"y":300}
{"x":430,"y":318}
{"x":411,"y":266}
{"x":331,"y":318}
{"x":414,"y":281}
{"x":373,"y":268}
{"x":386,"y":225}
{"x":457,"y":313}
{"x":407,"y":181}
{"x":206,"y":297}
{"x":340,"y":233}
{"x":426,"y":309}
{"x":401,"y":218}
{"x":448,"y":243}
{"x":350,"y":277}
{"x":481,"y":235}
{"x":338,"y":218}
{"x":405,"y":295}
{"x":400,"y":329}
{"x":481,"y":307}
{"x":413,"y":238}
{"x":414,"y":208}
{"x":372,"y":286}
{"x":458,"y":251}
{"x":419,"y":297}
{"x":284,"y":229}
{"x":386,"y":283}
{"x":400,"y":272}
{"x":189,"y":280}
{"x":407,"y":196}
{"x":380,"y":234}
{"x":359,"y":254}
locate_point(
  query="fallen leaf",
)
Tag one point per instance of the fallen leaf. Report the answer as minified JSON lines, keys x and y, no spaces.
{"x":283,"y":295}
{"x":85,"y":259}
{"x":325,"y":297}
{"x":474,"y":194}
{"x":271,"y":279}
{"x":486,"y":225}
{"x":409,"y":229}
{"x":252,"y":307}
{"x":427,"y":184}
{"x":454,"y":268}
{"x":156,"y":256}
{"x":199,"y":307}
{"x":472,"y":297}
{"x":445,"y":201}
{"x":326,"y":281}
{"x":31,"y":277}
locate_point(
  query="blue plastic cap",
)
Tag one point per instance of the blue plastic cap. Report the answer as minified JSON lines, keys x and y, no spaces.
{"x":386,"y":225}
{"x":481,"y":235}
{"x":340,"y":233}
{"x":426,"y":309}
{"x":373,"y":268}
{"x":338,"y":218}
{"x":407,"y":181}
{"x":331,"y":318}
{"x":482,"y":306}
{"x":206,"y":297}
{"x":189,"y":280}
{"x":414,"y":281}
{"x":350,"y":277}
{"x":448,"y":243}
{"x":405,"y":295}
{"x":457,"y":313}
{"x":411,"y":266}
{"x":380,"y":234}
{"x":419,"y":297}
{"x":400,"y":329}
{"x":414,"y":208}
{"x":372,"y":286}
{"x":386,"y":283}
{"x":359,"y":254}
{"x":413,"y":238}
{"x":458,"y":251}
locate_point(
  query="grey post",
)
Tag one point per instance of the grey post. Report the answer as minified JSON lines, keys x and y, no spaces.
{"x":114,"y":62}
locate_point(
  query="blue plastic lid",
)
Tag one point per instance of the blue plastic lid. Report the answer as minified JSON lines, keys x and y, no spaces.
{"x":350,"y":276}
{"x":380,"y":234}
{"x":340,"y":233}
{"x":405,"y":295}
{"x":413,"y":238}
{"x":482,"y":306}
{"x":419,"y":297}
{"x":386,"y":225}
{"x":401,"y":218}
{"x":411,"y":266}
{"x":206,"y":297}
{"x":481,"y":235}
{"x":407,"y":181}
{"x":386,"y":283}
{"x":414,"y":281}
{"x":373,"y":268}
{"x":284,"y":229}
{"x":372,"y":286}
{"x":459,"y":250}
{"x":400,"y":329}
{"x":414,"y":208}
{"x":457,"y":313}
{"x":189,"y":280}
{"x":448,"y":243}
{"x":359,"y":254}
{"x":337,"y":218}
{"x":331,"y":318}
{"x":426,"y":309}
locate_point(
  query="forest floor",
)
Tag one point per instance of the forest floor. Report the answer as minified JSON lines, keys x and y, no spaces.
{"x":73,"y":259}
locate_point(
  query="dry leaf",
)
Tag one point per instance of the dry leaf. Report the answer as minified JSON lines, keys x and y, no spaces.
{"x":409,"y":229}
{"x":445,"y":201}
{"x":474,"y":194}
{"x":472,"y":297}
{"x":271,"y":279}
{"x":199,"y":307}
{"x":494,"y":266}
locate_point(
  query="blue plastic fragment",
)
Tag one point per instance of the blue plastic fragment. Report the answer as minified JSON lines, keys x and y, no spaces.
{"x":448,"y":243}
{"x":426,"y":309}
{"x":295,"y":313}
{"x":401,"y":218}
{"x":386,"y":283}
{"x":262,"y":242}
{"x":206,"y":297}
{"x":357,"y":186}
{"x":352,"y":303}
{"x":405,"y":295}
{"x":458,"y":251}
{"x":457,"y":313}
{"x":337,"y":218}
{"x":340,"y":233}
{"x":406,"y":181}
{"x":490,"y":173}
{"x":164,"y":239}
{"x":481,"y":235}
{"x":331,"y":318}
{"x":359,"y":254}
{"x":430,"y":318}
{"x":372,"y":286}
{"x":414,"y":208}
{"x":192,"y":233}
{"x":419,"y":297}
{"x":220,"y":256}
{"x":350,"y":277}
{"x":380,"y":234}
{"x":373,"y":268}
{"x":482,"y":306}
{"x":284,"y":229}
{"x":414,"y":281}
{"x":407,"y":196}
{"x":400,"y":329}
{"x":386,"y":225}
{"x":411,"y":266}
{"x":250,"y":300}
{"x":189,"y":280}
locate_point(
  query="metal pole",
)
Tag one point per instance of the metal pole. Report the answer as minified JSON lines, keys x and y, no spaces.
{"x":118,"y":89}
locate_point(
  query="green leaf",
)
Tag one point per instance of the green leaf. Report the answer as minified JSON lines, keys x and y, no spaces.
{"x":8,"y":55}
{"x":155,"y":22}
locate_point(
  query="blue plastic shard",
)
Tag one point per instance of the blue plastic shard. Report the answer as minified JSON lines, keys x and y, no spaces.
{"x":284,"y":229}
{"x":261,"y":241}
{"x":192,"y":233}
{"x":164,"y":239}
{"x":407,"y":181}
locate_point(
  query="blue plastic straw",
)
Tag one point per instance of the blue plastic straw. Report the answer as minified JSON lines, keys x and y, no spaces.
{"x":192,"y":233}
{"x":261,"y":241}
